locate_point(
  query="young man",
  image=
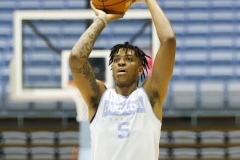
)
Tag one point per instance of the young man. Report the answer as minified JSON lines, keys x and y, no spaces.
{"x":125,"y":122}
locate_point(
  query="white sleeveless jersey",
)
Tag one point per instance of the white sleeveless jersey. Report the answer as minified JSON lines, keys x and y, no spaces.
{"x":125,"y":128}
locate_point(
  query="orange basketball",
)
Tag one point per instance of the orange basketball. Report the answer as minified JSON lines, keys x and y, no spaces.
{"x":113,"y":6}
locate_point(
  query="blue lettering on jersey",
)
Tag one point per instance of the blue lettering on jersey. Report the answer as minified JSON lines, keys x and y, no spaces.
{"x":122,"y":109}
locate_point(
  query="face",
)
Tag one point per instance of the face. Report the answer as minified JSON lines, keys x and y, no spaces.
{"x":126,"y":68}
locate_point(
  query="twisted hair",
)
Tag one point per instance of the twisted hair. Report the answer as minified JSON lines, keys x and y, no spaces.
{"x":138,"y":53}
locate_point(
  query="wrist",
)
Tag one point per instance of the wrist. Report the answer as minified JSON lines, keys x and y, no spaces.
{"x":102,"y":19}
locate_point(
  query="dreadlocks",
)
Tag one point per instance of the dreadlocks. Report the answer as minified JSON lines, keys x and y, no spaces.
{"x":138,"y":53}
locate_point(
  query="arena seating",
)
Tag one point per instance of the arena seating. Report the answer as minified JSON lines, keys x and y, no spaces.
{"x":175,"y":145}
{"x":205,"y":80}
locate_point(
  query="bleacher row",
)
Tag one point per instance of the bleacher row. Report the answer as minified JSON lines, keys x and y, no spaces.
{"x":208,"y":144}
{"x":175,"y":145}
{"x":203,"y":95}
{"x":16,"y":145}
{"x":182,"y":95}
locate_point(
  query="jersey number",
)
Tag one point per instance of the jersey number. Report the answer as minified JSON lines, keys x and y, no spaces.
{"x":123,"y":129}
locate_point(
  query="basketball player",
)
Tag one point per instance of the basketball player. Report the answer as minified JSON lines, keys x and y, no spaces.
{"x":125,"y":122}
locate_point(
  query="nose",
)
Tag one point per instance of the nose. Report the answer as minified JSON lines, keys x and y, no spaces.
{"x":121,"y":62}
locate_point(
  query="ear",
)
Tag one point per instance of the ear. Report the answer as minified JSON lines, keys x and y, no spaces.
{"x":140,"y":70}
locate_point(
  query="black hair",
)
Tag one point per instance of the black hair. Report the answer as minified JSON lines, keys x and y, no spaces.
{"x":138,"y":53}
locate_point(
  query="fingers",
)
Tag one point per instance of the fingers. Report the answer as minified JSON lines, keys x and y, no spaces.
{"x":94,"y":9}
{"x":108,"y":17}
{"x":113,"y":17}
{"x":117,"y":16}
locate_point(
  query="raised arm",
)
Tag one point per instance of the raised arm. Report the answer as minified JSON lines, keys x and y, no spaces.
{"x":83,"y":75}
{"x":157,"y":84}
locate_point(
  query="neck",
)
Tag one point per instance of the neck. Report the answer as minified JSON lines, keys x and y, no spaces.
{"x":125,"y":91}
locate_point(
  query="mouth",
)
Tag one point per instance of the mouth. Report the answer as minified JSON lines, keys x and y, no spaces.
{"x":121,"y":71}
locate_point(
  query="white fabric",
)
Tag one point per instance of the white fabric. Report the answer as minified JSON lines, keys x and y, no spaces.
{"x":125,"y":128}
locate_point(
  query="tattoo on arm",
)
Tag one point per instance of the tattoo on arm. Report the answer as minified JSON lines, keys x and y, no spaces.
{"x":82,"y":50}
{"x":85,"y":44}
{"x":88,"y":73}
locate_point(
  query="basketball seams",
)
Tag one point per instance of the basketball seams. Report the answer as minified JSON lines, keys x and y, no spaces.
{"x":108,"y":5}
{"x":112,"y":6}
{"x":103,"y":5}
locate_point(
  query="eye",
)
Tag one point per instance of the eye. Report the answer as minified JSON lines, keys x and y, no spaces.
{"x":129,"y":59}
{"x":115,"y":60}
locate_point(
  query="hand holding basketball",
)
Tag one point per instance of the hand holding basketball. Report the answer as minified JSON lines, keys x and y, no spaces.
{"x":109,"y":17}
{"x":113,"y":6}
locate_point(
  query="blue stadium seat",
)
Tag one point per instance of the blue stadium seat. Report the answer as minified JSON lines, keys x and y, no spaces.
{"x":54,"y":4}
{"x":222,"y":72}
{"x":6,"y":4}
{"x":45,"y":106}
{"x":38,"y":58}
{"x":184,"y":137}
{"x":6,"y":30}
{"x":237,"y":72}
{"x":197,"y":16}
{"x":233,"y":94}
{"x":237,"y":57}
{"x":184,"y":95}
{"x":76,"y":4}
{"x":15,"y":153}
{"x":176,"y":17}
{"x":6,"y":16}
{"x":233,"y":137}
{"x":164,"y":153}
{"x":48,"y":28}
{"x":42,"y":76}
{"x":200,"y":5}
{"x":221,"y":42}
{"x":196,"y":42}
{"x":195,"y":72}
{"x":185,"y":153}
{"x":221,"y":57}
{"x":65,"y":153}
{"x":195,"y":58}
{"x":212,"y":137}
{"x":1,"y":98}
{"x":75,"y":28}
{"x":68,"y":105}
{"x":42,"y":138}
{"x":16,"y":105}
{"x":68,"y":138}
{"x":25,"y":4}
{"x":212,"y":95}
{"x":38,"y":153}
{"x":213,"y":153}
{"x":222,"y":28}
{"x":167,"y":105}
{"x":165,"y":137}
{"x":177,"y":73}
{"x":14,"y":138}
{"x":197,"y":28}
{"x":138,"y":6}
{"x":174,"y":4}
{"x":234,"y":152}
{"x":224,"y":5}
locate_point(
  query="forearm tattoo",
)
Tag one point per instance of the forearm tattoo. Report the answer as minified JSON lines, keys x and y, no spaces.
{"x":85,"y":44}
{"x":84,"y":47}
